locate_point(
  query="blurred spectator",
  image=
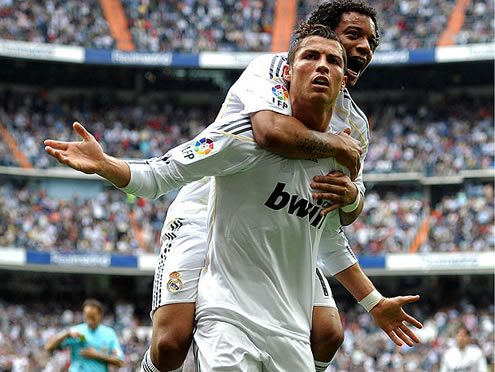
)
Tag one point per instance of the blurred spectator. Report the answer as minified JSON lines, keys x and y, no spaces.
{"x":463,"y":355}
{"x":69,"y":22}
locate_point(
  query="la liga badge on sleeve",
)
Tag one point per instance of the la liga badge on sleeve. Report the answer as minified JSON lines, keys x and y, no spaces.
{"x":174,"y":283}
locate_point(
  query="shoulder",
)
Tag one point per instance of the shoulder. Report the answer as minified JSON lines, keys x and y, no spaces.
{"x":271,"y":64}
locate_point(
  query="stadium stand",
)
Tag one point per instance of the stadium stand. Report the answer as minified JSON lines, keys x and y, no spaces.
{"x":226,"y":25}
{"x":58,"y":22}
{"x":415,"y":135}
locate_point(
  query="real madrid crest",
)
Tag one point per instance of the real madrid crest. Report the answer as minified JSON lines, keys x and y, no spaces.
{"x":174,"y":284}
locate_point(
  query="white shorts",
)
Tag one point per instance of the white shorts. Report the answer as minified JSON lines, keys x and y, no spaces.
{"x":182,"y":257}
{"x":221,"y":346}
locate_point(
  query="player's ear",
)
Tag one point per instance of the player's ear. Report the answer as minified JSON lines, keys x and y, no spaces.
{"x":286,"y":72}
{"x":344,"y":83}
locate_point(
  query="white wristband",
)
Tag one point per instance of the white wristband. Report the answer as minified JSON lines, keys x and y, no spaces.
{"x":352,"y":207}
{"x":371,"y":300}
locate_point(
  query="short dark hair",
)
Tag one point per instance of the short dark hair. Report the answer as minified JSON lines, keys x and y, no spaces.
{"x":93,"y":303}
{"x":330,"y":14}
{"x":306,"y":29}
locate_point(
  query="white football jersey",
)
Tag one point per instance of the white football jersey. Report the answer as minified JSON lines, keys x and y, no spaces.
{"x":265,"y":229}
{"x":470,"y":359}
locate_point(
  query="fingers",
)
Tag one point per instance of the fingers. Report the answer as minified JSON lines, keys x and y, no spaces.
{"x":85,"y":135}
{"x":394,"y":338}
{"x":59,"y":145}
{"x":403,"y":337}
{"x":410,"y":333}
{"x":329,"y":209}
{"x":409,"y":319}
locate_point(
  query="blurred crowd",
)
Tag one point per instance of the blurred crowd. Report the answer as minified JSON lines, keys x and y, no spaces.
{"x":434,"y":138}
{"x":413,"y":24}
{"x":439,"y":138}
{"x":126,"y":130}
{"x":109,"y":222}
{"x":203,"y":25}
{"x":68,"y":22}
{"x":113,"y":222}
{"x":225,"y":25}
{"x":24,"y":329}
{"x":460,"y":222}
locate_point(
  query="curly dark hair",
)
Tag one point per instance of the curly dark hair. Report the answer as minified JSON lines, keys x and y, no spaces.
{"x":306,"y":29}
{"x":330,"y":14}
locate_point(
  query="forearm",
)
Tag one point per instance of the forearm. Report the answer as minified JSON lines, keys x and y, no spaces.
{"x":55,"y":341}
{"x":112,"y":360}
{"x":355,"y":281}
{"x":288,"y":137}
{"x":116,"y":171}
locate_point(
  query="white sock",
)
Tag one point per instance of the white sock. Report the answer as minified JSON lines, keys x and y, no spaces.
{"x":321,"y":366}
{"x":147,"y":365}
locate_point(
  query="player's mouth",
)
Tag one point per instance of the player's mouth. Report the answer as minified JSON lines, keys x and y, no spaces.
{"x":355,"y":66}
{"x":321,"y":80}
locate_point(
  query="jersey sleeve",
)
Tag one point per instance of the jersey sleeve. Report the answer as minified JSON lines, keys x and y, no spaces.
{"x":335,"y":251}
{"x":262,"y":87}
{"x":221,"y":149}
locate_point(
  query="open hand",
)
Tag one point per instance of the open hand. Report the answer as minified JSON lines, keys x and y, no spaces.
{"x":390,"y":317}
{"x":86,"y":156}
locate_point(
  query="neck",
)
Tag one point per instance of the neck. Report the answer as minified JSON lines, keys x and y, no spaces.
{"x":313,"y":114}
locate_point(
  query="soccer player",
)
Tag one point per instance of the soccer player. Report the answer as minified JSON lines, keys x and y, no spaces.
{"x":184,"y":233}
{"x":464,"y":356}
{"x":275,"y":265}
{"x":93,"y":345}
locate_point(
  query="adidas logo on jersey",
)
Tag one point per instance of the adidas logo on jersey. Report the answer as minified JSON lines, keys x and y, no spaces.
{"x":297,"y":206}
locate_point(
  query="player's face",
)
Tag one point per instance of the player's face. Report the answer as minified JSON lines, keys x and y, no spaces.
{"x":317,"y":71}
{"x":91,"y":316}
{"x":462,"y":338}
{"x":357,"y":33}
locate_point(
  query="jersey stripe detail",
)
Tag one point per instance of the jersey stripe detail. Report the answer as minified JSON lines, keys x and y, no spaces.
{"x":360,"y":134}
{"x":279,"y":67}
{"x":272,"y":65}
{"x":234,"y":123}
{"x":212,"y":226}
{"x":230,"y":128}
{"x":322,"y":282}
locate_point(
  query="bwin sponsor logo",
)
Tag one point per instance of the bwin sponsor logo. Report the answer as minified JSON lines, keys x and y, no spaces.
{"x":299,"y":207}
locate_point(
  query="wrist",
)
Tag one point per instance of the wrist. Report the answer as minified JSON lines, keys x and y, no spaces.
{"x":354,"y":205}
{"x":371,"y":300}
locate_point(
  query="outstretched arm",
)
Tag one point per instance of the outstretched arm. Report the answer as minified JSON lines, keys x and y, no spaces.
{"x":87,"y":156}
{"x":387,"y":313}
{"x":288,"y":137}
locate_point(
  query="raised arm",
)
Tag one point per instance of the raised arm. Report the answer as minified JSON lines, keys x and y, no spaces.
{"x":288,"y":137}
{"x":387,"y":313}
{"x":87,"y":156}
